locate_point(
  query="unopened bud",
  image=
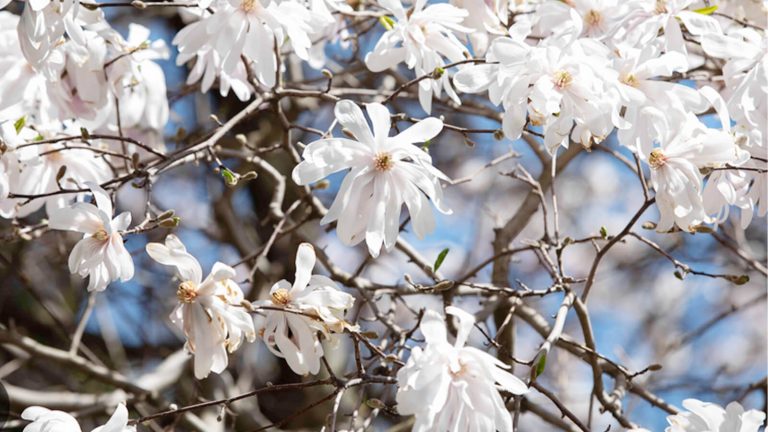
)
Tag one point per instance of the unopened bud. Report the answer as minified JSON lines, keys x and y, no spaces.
{"x":170,"y":223}
{"x":166,"y":214}
{"x":241,"y":139}
{"x":60,"y":173}
{"x":138,"y":4}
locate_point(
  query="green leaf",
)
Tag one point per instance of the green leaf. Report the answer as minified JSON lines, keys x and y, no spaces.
{"x":541,"y":364}
{"x":229,"y":177}
{"x":440,"y":259}
{"x":706,"y":10}
{"x":19,"y":124}
{"x":603,"y":232}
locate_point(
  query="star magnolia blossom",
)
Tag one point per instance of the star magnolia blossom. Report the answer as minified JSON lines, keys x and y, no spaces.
{"x":641,"y":90}
{"x":675,"y":168}
{"x":320,"y":306}
{"x":709,"y":417}
{"x":385,"y":173}
{"x":44,"y":22}
{"x":565,"y":90}
{"x":647,"y":18}
{"x":591,"y":18}
{"x":210,"y":311}
{"x":244,"y":27}
{"x":42,"y":163}
{"x":454,"y":387}
{"x":45,"y":420}
{"x":421,"y":38}
{"x":100,"y":255}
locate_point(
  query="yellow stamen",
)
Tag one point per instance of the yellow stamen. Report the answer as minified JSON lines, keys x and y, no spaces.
{"x":593,"y":18}
{"x":383,"y":162}
{"x":562,"y":79}
{"x":101,"y":235}
{"x":281,"y":297}
{"x":657,"y":159}
{"x":187,"y":292}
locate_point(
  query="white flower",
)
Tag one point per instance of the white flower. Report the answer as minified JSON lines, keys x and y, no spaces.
{"x":640,"y":88}
{"x":421,"y":38}
{"x":565,"y":90}
{"x":210,"y":311}
{"x":486,"y":19}
{"x":643,"y":24}
{"x":101,"y":254}
{"x":746,"y":78}
{"x":320,"y":306}
{"x":245,"y":27}
{"x":709,"y":417}
{"x":385,"y":173}
{"x":589,"y":18}
{"x":675,"y":165}
{"x":137,"y":81}
{"x":40,"y":164}
{"x":454,"y":387}
{"x":45,"y":420}
{"x":44,"y":22}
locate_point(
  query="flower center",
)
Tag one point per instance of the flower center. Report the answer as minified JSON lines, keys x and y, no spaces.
{"x":462,"y":370}
{"x":657,"y":159}
{"x":187,"y":292}
{"x":281,"y":297}
{"x":383,"y":162}
{"x":631,"y":80}
{"x":249,"y":5}
{"x":661,"y":7}
{"x":101,"y":235}
{"x":593,"y":18}
{"x":562,"y":79}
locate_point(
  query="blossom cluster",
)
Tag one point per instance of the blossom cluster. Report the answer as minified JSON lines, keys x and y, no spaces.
{"x":82,"y":107}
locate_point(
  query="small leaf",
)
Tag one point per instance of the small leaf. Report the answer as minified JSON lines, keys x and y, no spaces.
{"x":19,"y":124}
{"x":541,"y":364}
{"x":230,"y":178}
{"x":85,"y":134}
{"x":706,"y":10}
{"x":679,"y":274}
{"x":603,"y":232}
{"x":440,"y":259}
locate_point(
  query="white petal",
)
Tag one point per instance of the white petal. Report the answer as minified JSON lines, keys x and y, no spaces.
{"x":420,"y":132}
{"x":305,"y":263}
{"x":351,"y":117}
